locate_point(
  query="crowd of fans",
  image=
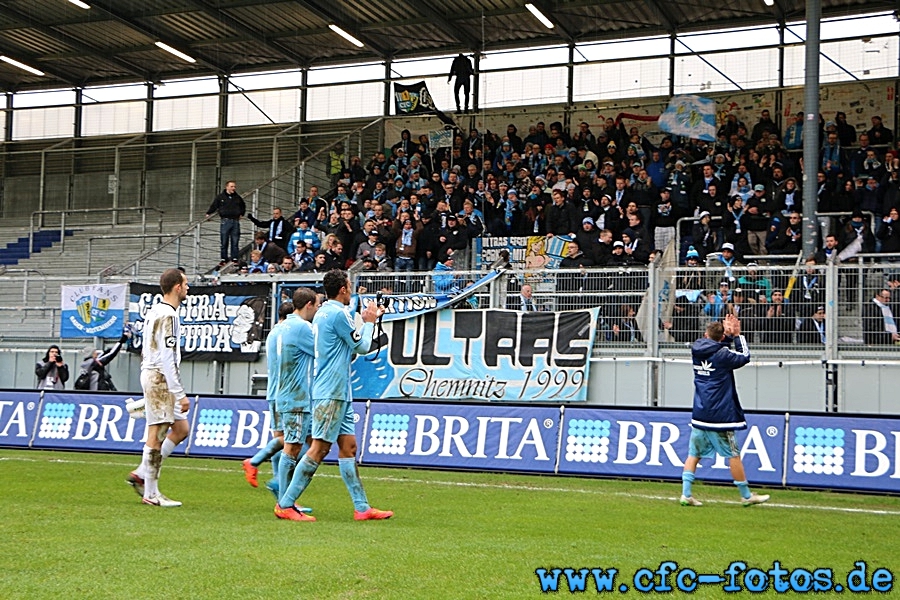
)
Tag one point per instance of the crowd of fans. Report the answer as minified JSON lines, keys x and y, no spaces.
{"x":613,"y":191}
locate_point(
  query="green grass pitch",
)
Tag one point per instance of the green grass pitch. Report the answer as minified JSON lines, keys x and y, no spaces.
{"x":71,"y":528}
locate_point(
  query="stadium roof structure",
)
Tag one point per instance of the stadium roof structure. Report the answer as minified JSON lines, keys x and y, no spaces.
{"x":76,"y":43}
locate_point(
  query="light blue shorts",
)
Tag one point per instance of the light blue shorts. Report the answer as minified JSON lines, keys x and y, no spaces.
{"x":706,"y":444}
{"x":296,"y":427}
{"x":332,"y":418}
{"x":274,"y":417}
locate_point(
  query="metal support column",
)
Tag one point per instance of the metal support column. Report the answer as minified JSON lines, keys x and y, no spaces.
{"x":811,"y":127}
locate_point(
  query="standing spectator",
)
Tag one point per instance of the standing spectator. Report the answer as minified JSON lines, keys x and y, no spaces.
{"x":760,"y":208}
{"x":231,"y":208}
{"x":889,"y":233}
{"x":663,"y":220}
{"x":880,"y":135}
{"x":52,"y":372}
{"x":454,"y":240}
{"x":277,"y":227}
{"x":846,"y":132}
{"x":95,"y":363}
{"x":705,"y":238}
{"x":717,"y":410}
{"x":463,"y":71}
{"x":765,"y":126}
{"x":559,"y":215}
{"x":878,"y":321}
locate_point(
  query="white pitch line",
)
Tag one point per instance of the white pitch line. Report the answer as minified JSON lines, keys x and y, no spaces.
{"x":497,"y":486}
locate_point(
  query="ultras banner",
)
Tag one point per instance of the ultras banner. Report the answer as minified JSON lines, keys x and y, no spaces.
{"x":225,"y":322}
{"x":495,"y":355}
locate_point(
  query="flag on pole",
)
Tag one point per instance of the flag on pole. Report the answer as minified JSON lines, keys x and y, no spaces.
{"x":690,"y":116}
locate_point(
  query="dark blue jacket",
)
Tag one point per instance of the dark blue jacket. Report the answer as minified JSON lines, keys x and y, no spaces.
{"x":716,"y":404}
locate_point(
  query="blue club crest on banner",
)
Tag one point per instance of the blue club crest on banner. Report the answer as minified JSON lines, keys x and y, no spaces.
{"x":92,"y":310}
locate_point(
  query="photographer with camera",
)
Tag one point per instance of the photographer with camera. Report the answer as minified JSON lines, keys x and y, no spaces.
{"x":51,"y":371}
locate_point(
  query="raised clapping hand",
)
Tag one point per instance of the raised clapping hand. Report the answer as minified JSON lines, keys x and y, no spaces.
{"x":732,"y":326}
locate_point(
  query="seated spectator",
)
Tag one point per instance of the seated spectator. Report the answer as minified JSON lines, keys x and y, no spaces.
{"x":287,"y":265}
{"x":812,"y":328}
{"x":270,"y":252}
{"x":302,"y":256}
{"x":755,"y":280}
{"x":383,"y":262}
{"x":625,"y":327}
{"x":257,"y":263}
{"x":878,"y":320}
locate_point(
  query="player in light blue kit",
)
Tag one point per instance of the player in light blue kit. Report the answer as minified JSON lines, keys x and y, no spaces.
{"x":337,"y":340}
{"x":272,"y":450}
{"x":295,"y":350}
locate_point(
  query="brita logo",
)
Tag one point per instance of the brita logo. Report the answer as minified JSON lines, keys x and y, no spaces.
{"x":56,"y":421}
{"x":214,"y":427}
{"x":389,"y":433}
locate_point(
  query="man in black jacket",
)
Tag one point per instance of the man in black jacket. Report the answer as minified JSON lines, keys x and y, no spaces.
{"x":231,"y":208}
{"x":278,"y":227}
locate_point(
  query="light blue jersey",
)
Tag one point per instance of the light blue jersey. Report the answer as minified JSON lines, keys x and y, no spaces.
{"x":295,"y":351}
{"x":336,"y":342}
{"x":272,"y":376}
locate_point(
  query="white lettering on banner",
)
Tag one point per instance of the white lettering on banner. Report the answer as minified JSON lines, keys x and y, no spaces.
{"x":207,"y":337}
{"x":657,"y":444}
{"x":432,"y":387}
{"x":427,"y":437}
{"x":195,"y":308}
{"x":753,"y":444}
{"x":625,"y":428}
{"x":16,"y":418}
{"x":884,"y":462}
{"x":247,"y":422}
{"x":89,"y":428}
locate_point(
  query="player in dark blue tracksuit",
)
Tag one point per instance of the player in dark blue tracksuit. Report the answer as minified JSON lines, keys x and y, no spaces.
{"x":717,"y":410}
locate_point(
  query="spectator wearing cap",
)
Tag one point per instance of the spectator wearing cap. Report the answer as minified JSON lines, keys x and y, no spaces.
{"x":444,"y":278}
{"x":523,"y":181}
{"x":691,"y":277}
{"x":588,"y":203}
{"x":367,"y":248}
{"x":857,"y":228}
{"x":427,"y":245}
{"x":755,"y":280}
{"x":725,"y":261}
{"x":587,"y":237}
{"x":618,"y":258}
{"x":705,"y":238}
{"x":454,"y":241}
{"x":717,"y":301}
{"x":635,"y":247}
{"x":609,"y":216}
{"x":760,"y":207}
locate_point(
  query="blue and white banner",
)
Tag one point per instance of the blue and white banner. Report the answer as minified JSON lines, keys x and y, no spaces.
{"x":412,"y":305}
{"x":470,"y":436}
{"x":690,"y":116}
{"x":643,"y":443}
{"x":73,"y":421}
{"x":830,"y":452}
{"x":844,"y":452}
{"x":223,"y":322}
{"x":18,"y":413}
{"x":494,"y":355}
{"x":96,"y":310}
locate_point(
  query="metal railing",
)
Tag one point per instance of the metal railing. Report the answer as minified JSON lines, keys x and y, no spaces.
{"x":63,"y":214}
{"x":143,"y":237}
